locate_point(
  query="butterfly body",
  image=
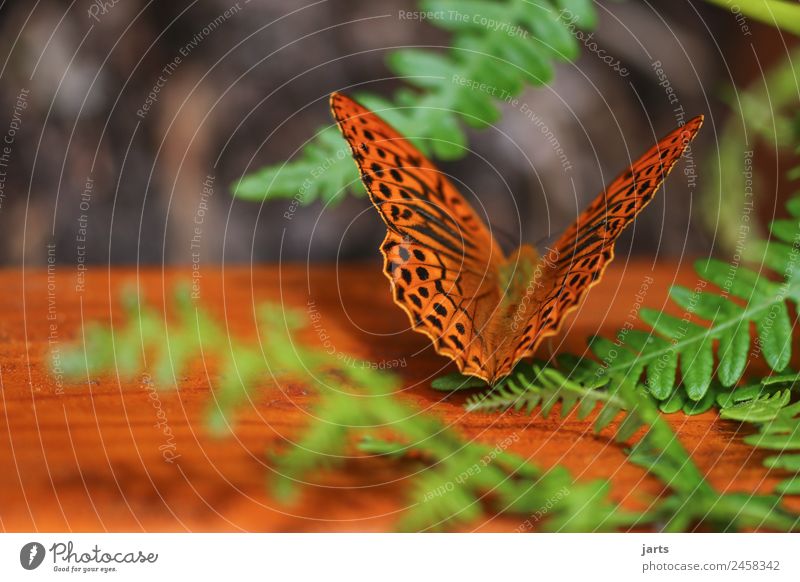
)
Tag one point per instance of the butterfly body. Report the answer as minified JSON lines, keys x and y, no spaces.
{"x":482,"y":308}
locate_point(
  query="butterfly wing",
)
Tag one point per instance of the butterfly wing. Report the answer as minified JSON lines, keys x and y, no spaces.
{"x":440,"y":257}
{"x":447,"y":271}
{"x":580,"y":256}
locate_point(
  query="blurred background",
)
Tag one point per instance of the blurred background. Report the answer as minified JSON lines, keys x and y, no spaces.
{"x":128,"y":122}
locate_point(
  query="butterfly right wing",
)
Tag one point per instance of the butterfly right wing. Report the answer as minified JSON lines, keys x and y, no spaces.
{"x":440,"y":257}
{"x":580,"y":256}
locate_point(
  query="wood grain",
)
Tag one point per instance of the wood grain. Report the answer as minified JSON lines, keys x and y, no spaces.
{"x":89,"y":456}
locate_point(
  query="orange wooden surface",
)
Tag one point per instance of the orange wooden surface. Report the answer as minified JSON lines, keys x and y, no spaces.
{"x":85,"y":456}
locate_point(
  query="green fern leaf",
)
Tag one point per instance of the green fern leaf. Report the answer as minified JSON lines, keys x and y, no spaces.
{"x":794,"y":204}
{"x":734,"y":345}
{"x":532,"y":386}
{"x":675,"y":402}
{"x":762,"y":409}
{"x":682,"y":343}
{"x":789,"y":380}
{"x":455,"y":381}
{"x":784,"y":230}
{"x":697,"y":370}
{"x":780,"y":433}
{"x":706,"y":403}
{"x":498,"y":47}
{"x":580,"y":11}
{"x":775,"y":333}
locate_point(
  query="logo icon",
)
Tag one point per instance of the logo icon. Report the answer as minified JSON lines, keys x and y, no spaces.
{"x":31,"y":555}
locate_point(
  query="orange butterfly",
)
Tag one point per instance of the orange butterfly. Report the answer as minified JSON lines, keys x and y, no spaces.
{"x":481,"y":308}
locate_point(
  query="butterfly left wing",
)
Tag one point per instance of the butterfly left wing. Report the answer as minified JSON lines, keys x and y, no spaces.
{"x":440,"y":257}
{"x":580,"y":256}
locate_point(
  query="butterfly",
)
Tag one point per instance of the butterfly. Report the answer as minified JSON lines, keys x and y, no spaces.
{"x":480,"y":307}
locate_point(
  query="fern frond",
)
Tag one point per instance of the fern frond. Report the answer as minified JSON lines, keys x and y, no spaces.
{"x":543,"y":387}
{"x":498,"y":47}
{"x":782,"y":434}
{"x":461,"y":479}
{"x":768,"y":405}
{"x":760,"y":409}
{"x":150,"y":341}
{"x":743,"y":299}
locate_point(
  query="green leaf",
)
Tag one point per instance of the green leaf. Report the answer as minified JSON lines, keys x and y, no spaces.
{"x":785,"y":230}
{"x":581,"y":12}
{"x":607,"y":414}
{"x":706,"y":305}
{"x":760,"y":409}
{"x":531,"y":59}
{"x":775,"y":335}
{"x":628,"y":427}
{"x":787,"y":462}
{"x":703,"y":405}
{"x":697,"y":368}
{"x":791,"y":379}
{"x":789,"y":486}
{"x":455,"y":381}
{"x":773,"y":254}
{"x":734,"y":344}
{"x":421,"y":67}
{"x":661,"y":374}
{"x":674,"y":403}
{"x":737,"y":280}
{"x":793,"y":206}
{"x":499,"y":76}
{"x":551,"y":31}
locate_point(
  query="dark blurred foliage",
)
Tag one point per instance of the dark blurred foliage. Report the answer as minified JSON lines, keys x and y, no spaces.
{"x":266,"y":70}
